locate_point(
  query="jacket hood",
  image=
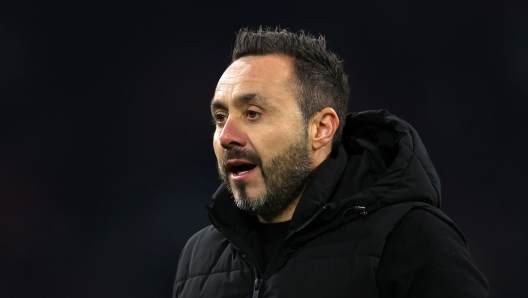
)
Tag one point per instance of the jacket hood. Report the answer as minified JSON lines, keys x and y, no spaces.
{"x":401,"y":168}
{"x":381,"y":161}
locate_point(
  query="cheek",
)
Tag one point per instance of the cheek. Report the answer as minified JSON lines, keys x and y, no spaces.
{"x":218,"y":149}
{"x":280,"y":138}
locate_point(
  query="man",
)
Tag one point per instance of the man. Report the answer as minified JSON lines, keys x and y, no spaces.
{"x":315,"y":203}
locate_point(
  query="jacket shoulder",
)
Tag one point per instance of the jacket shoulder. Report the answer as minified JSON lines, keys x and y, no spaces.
{"x":425,"y":255}
{"x":197,"y":251}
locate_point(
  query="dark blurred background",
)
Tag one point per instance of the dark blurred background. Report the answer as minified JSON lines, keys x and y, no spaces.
{"x":105,"y":132}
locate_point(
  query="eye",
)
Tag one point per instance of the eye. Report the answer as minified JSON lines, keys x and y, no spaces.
{"x":252,"y":115}
{"x":219,"y":118}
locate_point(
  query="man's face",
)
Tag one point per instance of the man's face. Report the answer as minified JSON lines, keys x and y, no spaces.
{"x":260,"y":140}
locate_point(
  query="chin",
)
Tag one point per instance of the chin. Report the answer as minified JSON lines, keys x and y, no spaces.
{"x":247,"y":196}
{"x":254,"y":195}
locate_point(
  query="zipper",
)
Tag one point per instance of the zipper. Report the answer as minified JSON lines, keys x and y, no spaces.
{"x":258,"y":281}
{"x":233,"y":239}
{"x":257,"y":284}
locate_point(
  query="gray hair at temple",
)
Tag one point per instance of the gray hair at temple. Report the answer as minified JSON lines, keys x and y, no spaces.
{"x":322,"y":81}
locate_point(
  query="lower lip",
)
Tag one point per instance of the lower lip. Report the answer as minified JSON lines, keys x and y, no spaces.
{"x":239,"y":177}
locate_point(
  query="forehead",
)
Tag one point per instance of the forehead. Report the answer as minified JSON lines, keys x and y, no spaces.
{"x":269,"y":76}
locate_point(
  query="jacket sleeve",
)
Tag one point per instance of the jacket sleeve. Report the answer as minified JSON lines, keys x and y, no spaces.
{"x":424,"y":256}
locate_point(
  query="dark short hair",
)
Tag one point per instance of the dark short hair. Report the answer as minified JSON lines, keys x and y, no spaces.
{"x":322,"y":81}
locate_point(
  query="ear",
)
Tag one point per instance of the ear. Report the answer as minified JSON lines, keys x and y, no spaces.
{"x":324,"y":125}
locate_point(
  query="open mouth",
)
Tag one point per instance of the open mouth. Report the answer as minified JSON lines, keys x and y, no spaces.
{"x":240,"y":168}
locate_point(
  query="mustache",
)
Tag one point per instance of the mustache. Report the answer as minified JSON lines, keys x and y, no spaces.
{"x":239,"y":153}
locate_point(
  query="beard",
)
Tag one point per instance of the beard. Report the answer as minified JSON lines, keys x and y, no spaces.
{"x":285,"y":177}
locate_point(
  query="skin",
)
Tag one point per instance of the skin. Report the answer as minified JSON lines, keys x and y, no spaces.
{"x":255,"y":107}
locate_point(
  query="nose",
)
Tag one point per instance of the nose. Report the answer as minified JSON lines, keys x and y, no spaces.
{"x":231,"y":135}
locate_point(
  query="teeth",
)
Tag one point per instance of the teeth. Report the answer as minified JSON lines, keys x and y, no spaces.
{"x":243,"y":172}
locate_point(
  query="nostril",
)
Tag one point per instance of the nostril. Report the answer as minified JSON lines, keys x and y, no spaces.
{"x":226,"y":145}
{"x":229,"y":144}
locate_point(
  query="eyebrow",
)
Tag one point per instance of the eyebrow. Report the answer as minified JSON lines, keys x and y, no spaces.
{"x":240,"y":100}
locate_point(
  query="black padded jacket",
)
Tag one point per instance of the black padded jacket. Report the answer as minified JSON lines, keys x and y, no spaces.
{"x":367,"y":225}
